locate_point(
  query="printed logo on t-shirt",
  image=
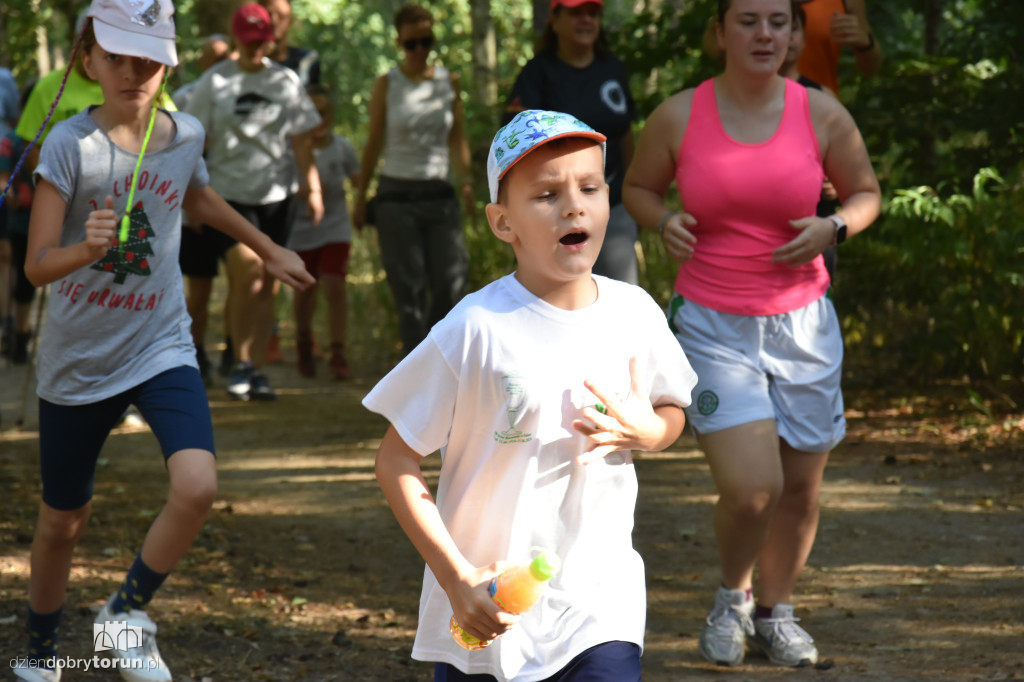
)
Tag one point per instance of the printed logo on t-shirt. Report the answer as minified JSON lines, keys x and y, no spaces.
{"x":256,"y":108}
{"x":512,"y":384}
{"x":613,"y":96}
{"x":707,"y":402}
{"x":130,"y":257}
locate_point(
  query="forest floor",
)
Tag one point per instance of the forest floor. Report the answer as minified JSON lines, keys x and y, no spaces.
{"x":302,"y":574}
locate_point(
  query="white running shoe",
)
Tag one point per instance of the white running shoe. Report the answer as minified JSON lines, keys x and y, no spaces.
{"x":139,"y":663}
{"x":23,"y":672}
{"x":782,"y":640}
{"x":723,"y":639}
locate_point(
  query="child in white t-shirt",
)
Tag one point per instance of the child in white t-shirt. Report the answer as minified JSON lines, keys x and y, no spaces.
{"x":506,"y":387}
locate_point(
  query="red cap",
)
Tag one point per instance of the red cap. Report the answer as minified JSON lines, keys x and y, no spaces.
{"x":251,"y":24}
{"x":574,"y":3}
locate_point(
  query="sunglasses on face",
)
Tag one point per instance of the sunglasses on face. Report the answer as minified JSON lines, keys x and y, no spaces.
{"x":425,"y":42}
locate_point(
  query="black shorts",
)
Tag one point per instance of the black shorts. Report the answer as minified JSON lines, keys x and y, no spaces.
{"x":24,"y":290}
{"x":201,"y":249}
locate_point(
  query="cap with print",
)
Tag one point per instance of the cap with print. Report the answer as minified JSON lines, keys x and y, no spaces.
{"x":251,"y":24}
{"x":136,"y":28}
{"x":529,"y":130}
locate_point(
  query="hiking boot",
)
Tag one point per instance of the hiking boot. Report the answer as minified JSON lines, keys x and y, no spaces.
{"x":239,"y":381}
{"x":7,"y":337}
{"x":304,"y":350}
{"x":40,"y":674}
{"x":227,"y":359}
{"x":137,"y":656}
{"x":275,"y":356}
{"x":204,"y":365}
{"x":782,"y":640}
{"x":723,"y":639}
{"x":338,"y":365}
{"x":19,"y":354}
{"x":260,"y":388}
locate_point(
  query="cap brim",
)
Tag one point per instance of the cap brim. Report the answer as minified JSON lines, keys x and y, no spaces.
{"x":119,"y":41}
{"x":585,"y":134}
{"x":576,"y":3}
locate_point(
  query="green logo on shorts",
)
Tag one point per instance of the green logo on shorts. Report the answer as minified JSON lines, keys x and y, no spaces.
{"x":707,"y":402}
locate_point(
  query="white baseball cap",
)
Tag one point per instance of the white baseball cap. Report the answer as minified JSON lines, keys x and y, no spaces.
{"x":136,"y":28}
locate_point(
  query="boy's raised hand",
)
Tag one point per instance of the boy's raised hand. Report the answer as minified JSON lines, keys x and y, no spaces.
{"x":287,"y":266}
{"x":100,"y":229}
{"x":475,"y":610}
{"x":628,"y":423}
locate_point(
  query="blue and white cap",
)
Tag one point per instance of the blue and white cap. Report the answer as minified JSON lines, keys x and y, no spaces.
{"x":527,"y":131}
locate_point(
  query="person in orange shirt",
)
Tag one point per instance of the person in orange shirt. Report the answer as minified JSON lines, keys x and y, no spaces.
{"x":831,"y":24}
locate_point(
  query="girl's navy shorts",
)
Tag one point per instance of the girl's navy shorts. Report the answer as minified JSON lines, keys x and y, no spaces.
{"x":173,"y":403}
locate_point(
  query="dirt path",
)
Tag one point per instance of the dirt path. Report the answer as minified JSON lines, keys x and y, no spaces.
{"x":302,"y":574}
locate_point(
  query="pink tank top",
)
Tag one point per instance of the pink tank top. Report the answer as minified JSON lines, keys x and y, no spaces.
{"x":743,"y":197}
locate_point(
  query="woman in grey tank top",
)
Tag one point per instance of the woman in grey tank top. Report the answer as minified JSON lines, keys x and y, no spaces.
{"x":416,"y":119}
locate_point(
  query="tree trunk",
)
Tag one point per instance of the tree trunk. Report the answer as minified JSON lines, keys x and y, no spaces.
{"x":932,"y":26}
{"x":485,"y":54}
{"x":484,"y":93}
{"x":540,"y":16}
{"x":932,"y":48}
{"x":42,"y":45}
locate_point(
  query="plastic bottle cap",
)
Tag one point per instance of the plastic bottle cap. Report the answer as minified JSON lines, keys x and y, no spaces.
{"x":545,"y":565}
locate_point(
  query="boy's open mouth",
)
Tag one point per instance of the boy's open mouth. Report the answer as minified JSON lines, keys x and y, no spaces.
{"x":574,"y":238}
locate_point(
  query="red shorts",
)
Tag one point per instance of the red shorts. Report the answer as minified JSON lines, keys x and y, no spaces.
{"x":329,"y":259}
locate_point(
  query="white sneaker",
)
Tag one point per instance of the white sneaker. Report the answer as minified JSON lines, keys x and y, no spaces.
{"x":139,"y":663}
{"x":23,"y":672}
{"x":723,"y":639}
{"x":782,"y":640}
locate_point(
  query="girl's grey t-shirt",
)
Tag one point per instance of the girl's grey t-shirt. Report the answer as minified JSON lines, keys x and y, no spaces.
{"x":121,"y":320}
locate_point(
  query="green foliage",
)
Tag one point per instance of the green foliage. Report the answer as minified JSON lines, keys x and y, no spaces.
{"x":938,"y":288}
{"x":933,"y":289}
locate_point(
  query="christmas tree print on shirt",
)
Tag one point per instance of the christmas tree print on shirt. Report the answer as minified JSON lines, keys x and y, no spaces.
{"x":130,"y":258}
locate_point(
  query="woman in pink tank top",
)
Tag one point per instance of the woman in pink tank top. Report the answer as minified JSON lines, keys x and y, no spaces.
{"x":748,"y":151}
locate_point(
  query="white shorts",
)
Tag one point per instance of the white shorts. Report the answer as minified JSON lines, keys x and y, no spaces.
{"x":784,"y":367}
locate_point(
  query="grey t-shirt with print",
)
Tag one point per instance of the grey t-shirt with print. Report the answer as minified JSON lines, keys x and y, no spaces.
{"x":122,"y":320}
{"x":250,"y":118}
{"x":336,"y":163}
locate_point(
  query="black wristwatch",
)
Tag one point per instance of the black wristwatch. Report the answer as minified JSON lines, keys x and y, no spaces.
{"x":840,"y":235}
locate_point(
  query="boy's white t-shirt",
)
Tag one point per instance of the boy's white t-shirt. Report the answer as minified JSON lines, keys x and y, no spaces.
{"x":496,"y":387}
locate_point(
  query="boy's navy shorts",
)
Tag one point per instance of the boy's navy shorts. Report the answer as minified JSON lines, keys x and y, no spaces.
{"x":173,"y":403}
{"x":608,"y":662}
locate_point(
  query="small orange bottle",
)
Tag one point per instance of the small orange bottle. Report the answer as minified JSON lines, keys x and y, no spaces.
{"x":515,"y":590}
